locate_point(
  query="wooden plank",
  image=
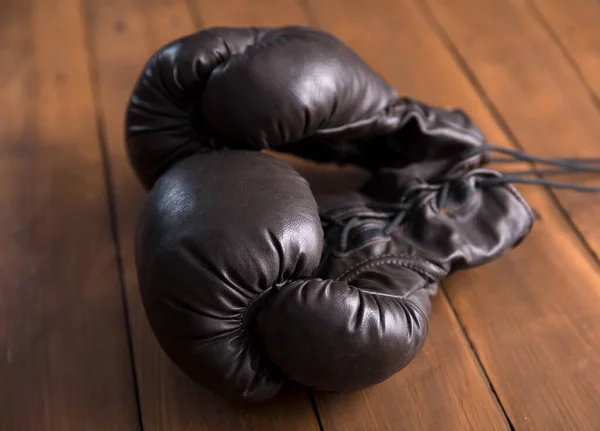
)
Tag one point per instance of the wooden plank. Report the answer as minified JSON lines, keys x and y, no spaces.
{"x":573,"y":25}
{"x":532,"y":316}
{"x":250,"y":13}
{"x":560,"y":118}
{"x":125,"y":33}
{"x":64,"y":357}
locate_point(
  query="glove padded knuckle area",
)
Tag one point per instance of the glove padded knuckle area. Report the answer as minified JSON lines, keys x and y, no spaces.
{"x":207,"y":246}
{"x":335,"y":336}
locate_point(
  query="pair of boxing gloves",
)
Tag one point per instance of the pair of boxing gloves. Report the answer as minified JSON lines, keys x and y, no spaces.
{"x":247,"y":279}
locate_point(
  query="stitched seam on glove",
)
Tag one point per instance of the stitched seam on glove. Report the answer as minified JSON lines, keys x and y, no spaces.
{"x":340,"y":254}
{"x":398,"y":297}
{"x":390,"y":261}
{"x":347,"y":126}
{"x":427,"y":278}
{"x":389,"y":258}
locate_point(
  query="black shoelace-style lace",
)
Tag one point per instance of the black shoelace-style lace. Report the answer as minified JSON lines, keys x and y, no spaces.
{"x":562,"y":166}
{"x":397,"y":213}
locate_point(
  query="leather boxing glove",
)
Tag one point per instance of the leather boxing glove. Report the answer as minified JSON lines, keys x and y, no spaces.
{"x":293,"y":89}
{"x":249,"y":88}
{"x":218,"y":233}
{"x":386,"y":249}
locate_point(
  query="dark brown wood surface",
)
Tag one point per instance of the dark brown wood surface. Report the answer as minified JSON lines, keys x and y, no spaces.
{"x":573,"y":26}
{"x":64,"y":356}
{"x":513,"y":344}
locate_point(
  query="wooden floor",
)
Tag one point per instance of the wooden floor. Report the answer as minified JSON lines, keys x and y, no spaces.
{"x":512,"y":345}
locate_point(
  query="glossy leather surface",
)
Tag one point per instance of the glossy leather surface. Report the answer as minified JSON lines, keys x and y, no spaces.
{"x":294,"y":89}
{"x":371,"y":318}
{"x":218,"y":231}
{"x":253,"y":88}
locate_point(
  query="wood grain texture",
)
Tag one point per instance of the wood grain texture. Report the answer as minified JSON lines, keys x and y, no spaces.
{"x":575,"y":28}
{"x":538,"y":93}
{"x":575,"y":24}
{"x":269,"y":13}
{"x":125,"y":33}
{"x":532,"y":315}
{"x":64,"y":357}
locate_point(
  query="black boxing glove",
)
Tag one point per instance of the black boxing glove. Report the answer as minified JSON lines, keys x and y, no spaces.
{"x":386,"y":249}
{"x":293,"y":89}
{"x":218,"y":232}
{"x":248,"y":88}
